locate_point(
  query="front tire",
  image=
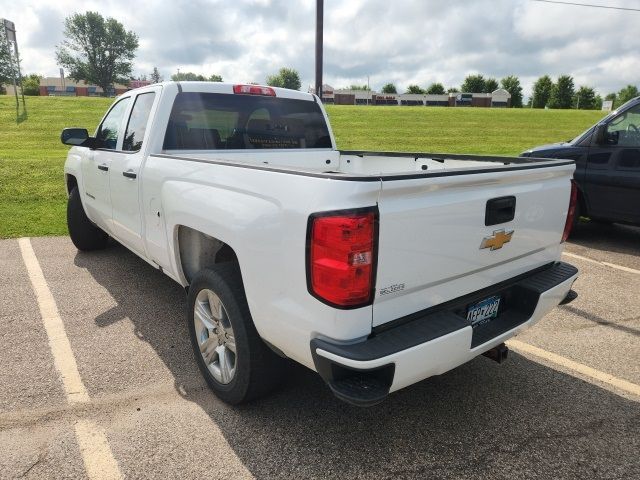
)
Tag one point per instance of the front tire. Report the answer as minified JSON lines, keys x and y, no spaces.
{"x":235,"y":362}
{"x":84,"y":234}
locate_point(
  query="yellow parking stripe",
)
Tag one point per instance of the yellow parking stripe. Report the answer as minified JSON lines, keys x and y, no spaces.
{"x":94,"y":447}
{"x":606,"y":264}
{"x":575,"y":367}
{"x":63,"y":357}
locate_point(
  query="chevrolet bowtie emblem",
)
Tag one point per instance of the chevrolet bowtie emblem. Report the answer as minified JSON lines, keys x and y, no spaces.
{"x":497,"y":240}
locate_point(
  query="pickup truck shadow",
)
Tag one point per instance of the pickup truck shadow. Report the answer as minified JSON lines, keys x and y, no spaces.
{"x":520,"y":419}
{"x":612,"y":237}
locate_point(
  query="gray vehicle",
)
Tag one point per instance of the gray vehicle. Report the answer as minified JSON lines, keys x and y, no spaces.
{"x":607,"y":158}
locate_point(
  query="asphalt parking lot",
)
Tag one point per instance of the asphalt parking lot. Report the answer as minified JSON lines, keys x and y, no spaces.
{"x":568,"y":410}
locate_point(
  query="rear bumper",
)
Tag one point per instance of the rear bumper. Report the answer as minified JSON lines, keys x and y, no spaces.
{"x":439,"y":339}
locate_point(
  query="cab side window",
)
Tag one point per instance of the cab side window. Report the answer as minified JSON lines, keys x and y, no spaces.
{"x":137,"y":126}
{"x":625,"y":129}
{"x":109,"y":130}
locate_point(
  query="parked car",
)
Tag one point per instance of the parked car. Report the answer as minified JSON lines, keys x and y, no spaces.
{"x":376,"y":270}
{"x":607,"y":160}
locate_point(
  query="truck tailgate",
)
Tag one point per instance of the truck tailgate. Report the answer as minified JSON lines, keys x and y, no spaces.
{"x":432,"y":229}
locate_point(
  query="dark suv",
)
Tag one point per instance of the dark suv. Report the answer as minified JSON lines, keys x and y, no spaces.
{"x":607,"y":160}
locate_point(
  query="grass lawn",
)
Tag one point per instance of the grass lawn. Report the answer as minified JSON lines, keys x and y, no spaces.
{"x":32,"y":197}
{"x":487,"y":131}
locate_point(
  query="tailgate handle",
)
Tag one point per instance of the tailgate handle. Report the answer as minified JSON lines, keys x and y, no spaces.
{"x":500,"y":210}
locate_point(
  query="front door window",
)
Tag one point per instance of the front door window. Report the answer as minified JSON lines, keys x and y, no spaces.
{"x":624,"y":130}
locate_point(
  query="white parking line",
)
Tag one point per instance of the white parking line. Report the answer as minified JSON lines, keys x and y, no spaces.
{"x":575,"y":367}
{"x":94,"y":447}
{"x":96,"y":453}
{"x":63,"y":357}
{"x":606,"y":264}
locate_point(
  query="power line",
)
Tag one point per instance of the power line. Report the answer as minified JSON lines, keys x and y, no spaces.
{"x":589,"y":5}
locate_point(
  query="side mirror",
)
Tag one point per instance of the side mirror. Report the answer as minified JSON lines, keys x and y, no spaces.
{"x":78,"y":137}
{"x":600,"y":134}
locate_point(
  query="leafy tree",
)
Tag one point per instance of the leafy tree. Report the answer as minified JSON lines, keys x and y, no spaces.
{"x":364,"y":88}
{"x":188,"y":77}
{"x":453,"y":90}
{"x":626,"y":94}
{"x":415,"y":89}
{"x":436,"y":89}
{"x":155,"y":76}
{"x":285,"y":78}
{"x":563,"y":92}
{"x":490,"y":85}
{"x":585,"y":98}
{"x":542,"y":91}
{"x":473,"y":84}
{"x":31,"y":84}
{"x":598,"y":105}
{"x":389,"y":88}
{"x":512,"y":85}
{"x":215,"y":78}
{"x":97,"y":50}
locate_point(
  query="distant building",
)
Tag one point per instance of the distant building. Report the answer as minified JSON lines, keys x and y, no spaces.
{"x":54,"y":86}
{"x":498,"y":98}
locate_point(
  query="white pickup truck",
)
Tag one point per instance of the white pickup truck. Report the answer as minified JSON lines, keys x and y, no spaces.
{"x":376,"y":270}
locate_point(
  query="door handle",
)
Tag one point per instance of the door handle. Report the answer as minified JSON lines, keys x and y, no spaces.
{"x":129,"y":174}
{"x":103,"y":167}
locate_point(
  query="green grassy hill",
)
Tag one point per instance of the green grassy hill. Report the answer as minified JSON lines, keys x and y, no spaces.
{"x":455,"y":130}
{"x":32,"y":197}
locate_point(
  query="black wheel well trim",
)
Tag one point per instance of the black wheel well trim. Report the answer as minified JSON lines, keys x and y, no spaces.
{"x":71,"y":182}
{"x":222,"y":253}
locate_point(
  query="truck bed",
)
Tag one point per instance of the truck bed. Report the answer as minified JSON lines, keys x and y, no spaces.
{"x":366,"y":165}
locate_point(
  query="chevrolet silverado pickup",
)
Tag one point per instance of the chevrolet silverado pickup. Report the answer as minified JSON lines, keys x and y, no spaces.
{"x":376,"y":270}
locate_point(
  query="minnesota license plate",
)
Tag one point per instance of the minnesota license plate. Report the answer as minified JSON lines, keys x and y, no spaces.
{"x":484,"y":311}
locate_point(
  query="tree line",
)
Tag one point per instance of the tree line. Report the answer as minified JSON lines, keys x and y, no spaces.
{"x":562,"y":94}
{"x":100,"y":51}
{"x":472,"y":84}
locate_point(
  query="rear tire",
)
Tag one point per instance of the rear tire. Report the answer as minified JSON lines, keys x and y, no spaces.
{"x":84,"y":234}
{"x":235,"y":362}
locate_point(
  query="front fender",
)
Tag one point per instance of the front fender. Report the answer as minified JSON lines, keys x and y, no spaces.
{"x":73,"y":167}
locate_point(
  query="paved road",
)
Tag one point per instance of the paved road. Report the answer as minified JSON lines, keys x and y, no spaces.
{"x":531,"y":417}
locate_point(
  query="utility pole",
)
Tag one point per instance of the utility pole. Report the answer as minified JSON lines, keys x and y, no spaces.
{"x":319,"y":28}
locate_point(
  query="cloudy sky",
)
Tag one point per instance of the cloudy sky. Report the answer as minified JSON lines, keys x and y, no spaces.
{"x":400,"y":41}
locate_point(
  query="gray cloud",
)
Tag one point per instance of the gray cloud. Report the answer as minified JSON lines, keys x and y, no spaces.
{"x":403,"y":41}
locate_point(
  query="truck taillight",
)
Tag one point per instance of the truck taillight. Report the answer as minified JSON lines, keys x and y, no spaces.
{"x":571,"y":213}
{"x":254,"y":90}
{"x":341,"y":257}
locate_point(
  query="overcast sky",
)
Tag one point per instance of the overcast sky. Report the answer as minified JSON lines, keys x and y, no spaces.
{"x":399,"y":41}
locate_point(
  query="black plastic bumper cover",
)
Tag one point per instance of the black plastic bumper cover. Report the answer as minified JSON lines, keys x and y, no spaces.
{"x":519,"y":296}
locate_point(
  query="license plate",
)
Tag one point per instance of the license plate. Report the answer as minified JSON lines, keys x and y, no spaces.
{"x":484,"y":311}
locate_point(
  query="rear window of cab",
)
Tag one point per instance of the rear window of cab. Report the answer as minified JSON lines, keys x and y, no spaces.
{"x":214,"y":121}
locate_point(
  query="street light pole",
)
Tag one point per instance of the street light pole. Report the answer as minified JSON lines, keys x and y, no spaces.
{"x":319,"y":28}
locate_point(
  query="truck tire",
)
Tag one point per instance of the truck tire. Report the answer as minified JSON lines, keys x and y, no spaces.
{"x":84,"y":234}
{"x":235,"y":362}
